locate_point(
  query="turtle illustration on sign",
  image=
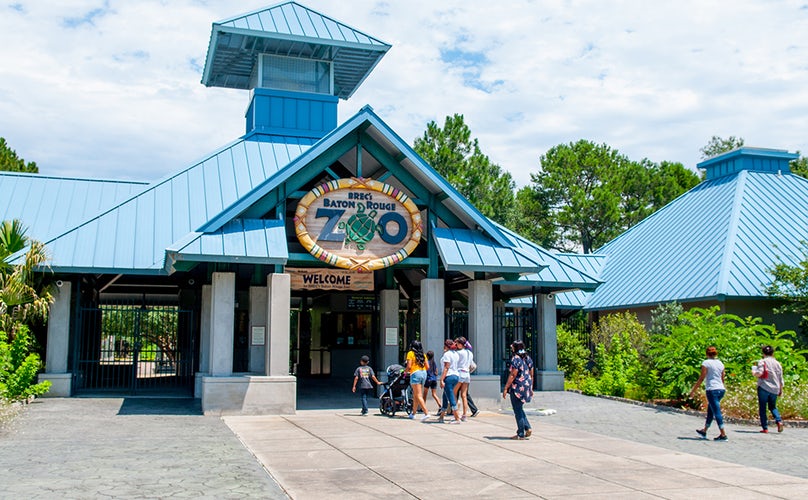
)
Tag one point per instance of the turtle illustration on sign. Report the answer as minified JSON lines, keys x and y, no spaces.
{"x":360,"y":227}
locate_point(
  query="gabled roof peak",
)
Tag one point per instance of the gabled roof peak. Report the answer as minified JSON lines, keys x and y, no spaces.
{"x":746,"y":158}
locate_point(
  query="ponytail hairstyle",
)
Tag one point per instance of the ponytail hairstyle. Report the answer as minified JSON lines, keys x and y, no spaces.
{"x":418,"y":349}
{"x":518,"y":347}
{"x":461,"y":341}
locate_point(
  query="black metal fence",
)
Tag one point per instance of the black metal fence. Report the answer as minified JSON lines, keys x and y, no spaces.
{"x":514,"y":324}
{"x":134,"y":349}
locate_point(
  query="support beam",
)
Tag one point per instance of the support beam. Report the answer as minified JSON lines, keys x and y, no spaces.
{"x":548,"y":378}
{"x":258,"y":319}
{"x":222,"y":321}
{"x":388,"y":310}
{"x":279,"y":296}
{"x":481,"y":324}
{"x":58,"y":341}
{"x":433,"y":315}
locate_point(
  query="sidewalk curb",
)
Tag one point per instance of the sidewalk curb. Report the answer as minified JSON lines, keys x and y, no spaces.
{"x":800,"y":424}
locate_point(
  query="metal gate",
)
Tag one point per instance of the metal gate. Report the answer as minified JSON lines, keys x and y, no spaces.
{"x":135,"y":349}
{"x":515,"y":323}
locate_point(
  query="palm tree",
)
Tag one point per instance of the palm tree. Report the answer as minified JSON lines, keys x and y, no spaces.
{"x":12,"y":240}
{"x":24,"y":296}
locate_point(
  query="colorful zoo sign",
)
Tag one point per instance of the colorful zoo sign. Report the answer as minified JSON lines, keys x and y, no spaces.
{"x":358,"y":224}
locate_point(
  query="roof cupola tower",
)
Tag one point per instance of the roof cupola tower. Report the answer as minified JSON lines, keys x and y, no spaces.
{"x":754,"y":159}
{"x":297,"y":64}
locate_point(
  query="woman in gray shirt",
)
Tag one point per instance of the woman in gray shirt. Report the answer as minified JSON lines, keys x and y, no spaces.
{"x":712,"y":374}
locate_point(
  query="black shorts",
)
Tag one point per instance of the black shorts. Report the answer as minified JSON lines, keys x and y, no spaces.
{"x":431,"y":384}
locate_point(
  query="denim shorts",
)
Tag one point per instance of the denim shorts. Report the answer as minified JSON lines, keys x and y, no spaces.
{"x":431,"y":384}
{"x":418,"y":377}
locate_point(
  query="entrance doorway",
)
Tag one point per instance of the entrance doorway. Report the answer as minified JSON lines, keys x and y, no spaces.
{"x":333,"y":332}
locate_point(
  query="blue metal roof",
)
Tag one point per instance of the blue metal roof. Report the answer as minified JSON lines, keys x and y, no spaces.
{"x":247,"y":241}
{"x":394,"y":147}
{"x":471,"y":251}
{"x":47,"y":205}
{"x":289,"y":29}
{"x":133,"y":236}
{"x":717,"y":240}
{"x":561,"y":273}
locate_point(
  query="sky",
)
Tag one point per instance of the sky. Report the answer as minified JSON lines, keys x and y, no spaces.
{"x":111,"y":89}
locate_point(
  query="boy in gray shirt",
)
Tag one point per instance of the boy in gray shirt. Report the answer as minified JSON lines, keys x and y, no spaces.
{"x":364,"y":375}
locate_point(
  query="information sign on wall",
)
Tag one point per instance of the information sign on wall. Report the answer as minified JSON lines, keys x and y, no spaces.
{"x":361,"y":302}
{"x":358,"y":224}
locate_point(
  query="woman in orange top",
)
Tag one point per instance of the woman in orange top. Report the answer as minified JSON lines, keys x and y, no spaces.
{"x":416,"y":367}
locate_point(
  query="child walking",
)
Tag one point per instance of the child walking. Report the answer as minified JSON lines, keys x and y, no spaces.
{"x":364,"y":375}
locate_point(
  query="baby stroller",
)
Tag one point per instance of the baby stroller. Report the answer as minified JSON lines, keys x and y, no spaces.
{"x":396,"y":396}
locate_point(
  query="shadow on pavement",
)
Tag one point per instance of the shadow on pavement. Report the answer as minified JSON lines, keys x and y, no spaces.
{"x":160,"y":406}
{"x":329,"y":394}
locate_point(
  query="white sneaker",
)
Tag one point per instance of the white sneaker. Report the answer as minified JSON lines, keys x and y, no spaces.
{"x":424,"y":418}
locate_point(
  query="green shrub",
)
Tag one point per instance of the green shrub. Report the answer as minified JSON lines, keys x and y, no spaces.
{"x":664,"y":317}
{"x":616,"y":369}
{"x":625,"y":323}
{"x":678,"y":356}
{"x":19,"y":367}
{"x":573,"y":355}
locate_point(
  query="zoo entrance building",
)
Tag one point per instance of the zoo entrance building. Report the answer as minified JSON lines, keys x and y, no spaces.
{"x":287,"y":253}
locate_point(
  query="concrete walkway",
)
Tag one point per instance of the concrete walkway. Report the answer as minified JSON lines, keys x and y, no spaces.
{"x":338,"y":454}
{"x":147,"y":448}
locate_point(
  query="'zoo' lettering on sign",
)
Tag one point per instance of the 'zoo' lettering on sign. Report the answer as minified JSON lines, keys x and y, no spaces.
{"x":358,"y":224}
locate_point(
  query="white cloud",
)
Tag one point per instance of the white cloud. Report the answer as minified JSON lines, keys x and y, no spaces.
{"x":111,"y":88}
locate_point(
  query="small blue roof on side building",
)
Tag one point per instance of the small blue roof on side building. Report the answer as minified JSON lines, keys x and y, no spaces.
{"x":717,"y":240}
{"x":47,"y":205}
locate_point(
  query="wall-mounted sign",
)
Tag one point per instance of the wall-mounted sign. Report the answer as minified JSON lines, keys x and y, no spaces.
{"x":359,"y":224}
{"x":391,"y":336}
{"x":361,"y":302}
{"x":258,"y":335}
{"x":329,"y":279}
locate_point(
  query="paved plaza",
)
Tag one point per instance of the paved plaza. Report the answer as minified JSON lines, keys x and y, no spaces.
{"x":591,"y":447}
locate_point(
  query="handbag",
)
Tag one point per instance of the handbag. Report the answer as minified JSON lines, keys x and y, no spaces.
{"x":765,"y":373}
{"x":472,"y":367}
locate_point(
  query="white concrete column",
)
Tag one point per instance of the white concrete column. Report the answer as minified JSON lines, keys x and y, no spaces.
{"x":548,"y":378}
{"x":481,"y":324}
{"x":433,"y":315}
{"x":222,"y":322}
{"x":388,"y":310}
{"x":58,"y":330}
{"x":258,"y":319}
{"x":58,"y":344}
{"x":204,"y":329}
{"x":485,"y":385}
{"x":279,"y":297}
